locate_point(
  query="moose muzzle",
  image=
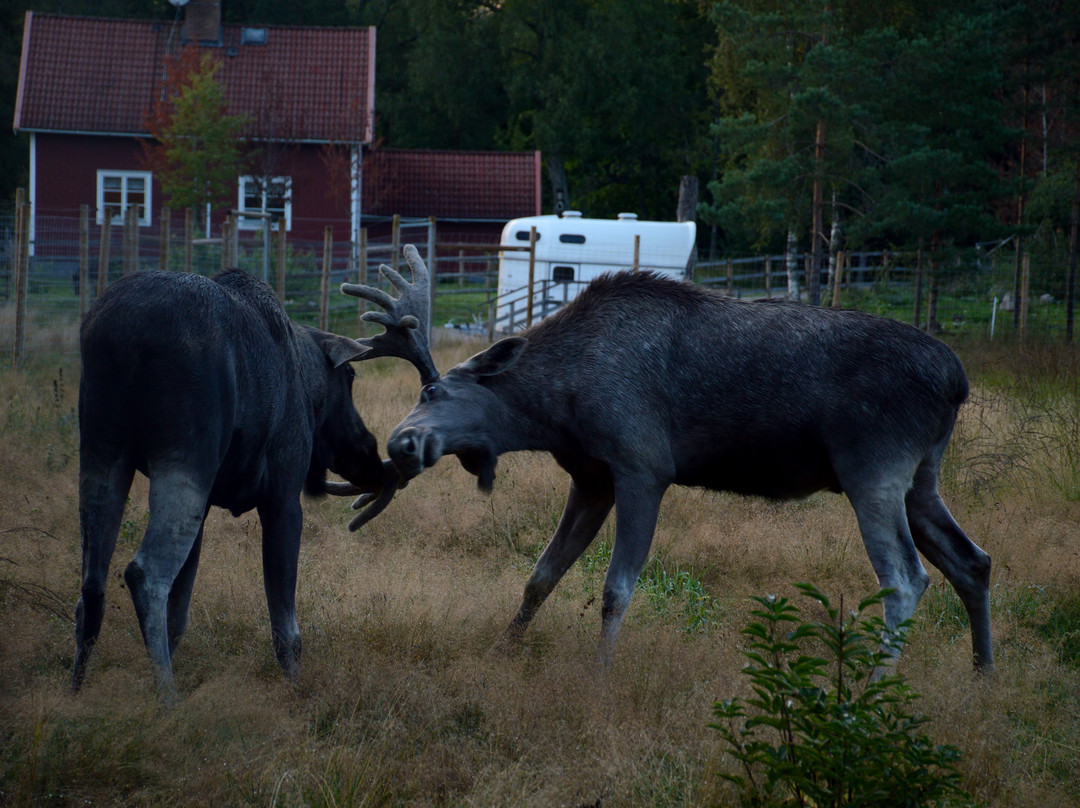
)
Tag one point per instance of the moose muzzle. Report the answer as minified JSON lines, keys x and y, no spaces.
{"x":413,"y":449}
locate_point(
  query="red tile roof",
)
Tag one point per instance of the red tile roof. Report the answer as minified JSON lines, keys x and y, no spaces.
{"x":452,"y":184}
{"x":91,"y":75}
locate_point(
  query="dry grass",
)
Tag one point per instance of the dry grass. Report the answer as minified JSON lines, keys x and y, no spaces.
{"x":401,"y":700}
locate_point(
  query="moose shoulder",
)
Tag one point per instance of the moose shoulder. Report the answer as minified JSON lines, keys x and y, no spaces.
{"x":642,"y":382}
{"x":208,"y":389}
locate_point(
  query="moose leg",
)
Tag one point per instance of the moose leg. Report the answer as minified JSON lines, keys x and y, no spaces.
{"x":636,"y":510}
{"x":584,"y":515}
{"x":963,"y":563}
{"x":103,"y":488}
{"x":180,"y":594}
{"x":879,"y":508}
{"x":177,"y":506}
{"x":282,"y":523}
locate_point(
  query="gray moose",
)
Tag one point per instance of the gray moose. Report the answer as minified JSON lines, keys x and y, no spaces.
{"x":642,"y":382}
{"x":207,"y":388}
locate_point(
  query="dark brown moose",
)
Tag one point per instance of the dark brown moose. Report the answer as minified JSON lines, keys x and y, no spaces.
{"x":207,"y":388}
{"x":642,"y":382}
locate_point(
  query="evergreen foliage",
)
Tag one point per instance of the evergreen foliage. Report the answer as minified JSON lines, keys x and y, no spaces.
{"x":912,"y":123}
{"x":830,"y":724}
{"x":909,"y":141}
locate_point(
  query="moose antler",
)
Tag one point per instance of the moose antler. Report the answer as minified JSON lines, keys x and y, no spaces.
{"x":406,"y":318}
{"x":376,"y":499}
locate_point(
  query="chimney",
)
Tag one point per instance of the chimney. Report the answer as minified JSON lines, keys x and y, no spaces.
{"x":202,"y":22}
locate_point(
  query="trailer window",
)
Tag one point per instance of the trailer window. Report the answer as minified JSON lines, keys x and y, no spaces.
{"x":571,"y":238}
{"x":562,"y":274}
{"x":523,"y":235}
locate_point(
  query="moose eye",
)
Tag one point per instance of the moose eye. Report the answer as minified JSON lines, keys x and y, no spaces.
{"x":429,"y":392}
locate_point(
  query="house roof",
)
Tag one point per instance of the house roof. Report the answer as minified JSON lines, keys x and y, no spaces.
{"x":101,"y":76}
{"x":452,"y":184}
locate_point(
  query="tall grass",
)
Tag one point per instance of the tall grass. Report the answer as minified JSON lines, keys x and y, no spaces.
{"x":401,"y":700}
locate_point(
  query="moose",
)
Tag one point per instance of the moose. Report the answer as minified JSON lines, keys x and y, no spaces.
{"x":642,"y":382}
{"x":207,"y":388}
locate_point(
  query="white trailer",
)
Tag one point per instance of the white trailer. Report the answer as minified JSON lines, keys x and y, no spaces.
{"x":571,"y":250}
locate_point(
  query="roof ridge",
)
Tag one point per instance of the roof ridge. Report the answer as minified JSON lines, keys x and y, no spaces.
{"x":166,"y":21}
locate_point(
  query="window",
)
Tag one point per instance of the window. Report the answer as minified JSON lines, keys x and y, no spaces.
{"x":119,"y":190}
{"x":265,"y":195}
{"x":253,"y":36}
{"x":561,"y":274}
{"x":523,"y":235}
{"x":571,"y":238}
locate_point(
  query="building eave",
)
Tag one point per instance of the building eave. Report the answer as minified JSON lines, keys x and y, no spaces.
{"x":21,"y":88}
{"x":147,"y":136}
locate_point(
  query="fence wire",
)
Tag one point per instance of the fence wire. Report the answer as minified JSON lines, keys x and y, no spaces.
{"x":974,"y":299}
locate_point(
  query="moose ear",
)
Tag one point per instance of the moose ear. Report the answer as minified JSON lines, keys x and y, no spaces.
{"x":340,"y":350}
{"x":499,"y":357}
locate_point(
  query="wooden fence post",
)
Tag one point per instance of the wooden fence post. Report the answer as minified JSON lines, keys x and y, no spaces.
{"x":917,"y":315}
{"x":395,"y":242}
{"x":730,"y":272}
{"x":163,"y":242}
{"x":84,"y":259}
{"x":125,"y":243}
{"x":532,"y":276}
{"x":104,"y":245}
{"x":13,"y":266}
{"x":22,"y":268}
{"x":189,"y":239}
{"x":324,"y":286}
{"x":433,"y":276}
{"x":637,"y":253}
{"x":768,"y":276}
{"x":131,"y":240}
{"x":229,"y":250}
{"x":1025,"y":278}
{"x":361,"y":278}
{"x":281,"y":256}
{"x":234,"y":240}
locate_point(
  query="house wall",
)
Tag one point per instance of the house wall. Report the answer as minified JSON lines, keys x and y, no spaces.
{"x":67,"y":166}
{"x":320,"y":193}
{"x":66,"y":177}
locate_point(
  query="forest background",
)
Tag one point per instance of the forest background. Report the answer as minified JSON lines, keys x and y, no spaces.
{"x":948,"y":126}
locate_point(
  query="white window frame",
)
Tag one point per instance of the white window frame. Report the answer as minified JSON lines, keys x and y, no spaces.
{"x":256,"y":222}
{"x":125,"y":177}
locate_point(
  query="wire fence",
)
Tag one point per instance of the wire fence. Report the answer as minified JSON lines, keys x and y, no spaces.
{"x":992,"y":295}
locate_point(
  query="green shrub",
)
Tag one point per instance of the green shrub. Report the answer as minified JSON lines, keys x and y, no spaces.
{"x":830,"y":724}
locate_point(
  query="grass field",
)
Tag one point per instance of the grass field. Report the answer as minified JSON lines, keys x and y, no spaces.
{"x":401,"y":700}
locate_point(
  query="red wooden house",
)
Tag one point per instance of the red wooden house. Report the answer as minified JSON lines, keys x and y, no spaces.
{"x":87,"y":85}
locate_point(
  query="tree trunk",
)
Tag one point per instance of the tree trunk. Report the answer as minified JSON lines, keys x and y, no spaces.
{"x":560,"y":190}
{"x":791,"y":265}
{"x":813,"y":281}
{"x":1020,"y":215}
{"x":916,"y":316}
{"x":687,"y":212}
{"x":1074,"y":246}
{"x":932,"y":324}
{"x":688,"y":199}
{"x":835,"y":234}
